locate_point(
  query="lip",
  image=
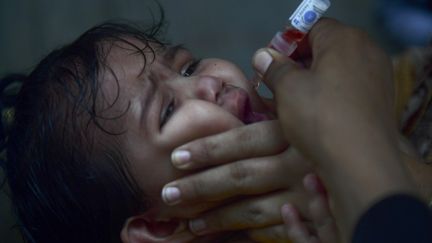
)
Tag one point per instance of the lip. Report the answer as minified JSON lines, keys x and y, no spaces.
{"x":236,"y":101}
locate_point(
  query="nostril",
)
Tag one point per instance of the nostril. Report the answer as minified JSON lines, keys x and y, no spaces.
{"x":209,"y":88}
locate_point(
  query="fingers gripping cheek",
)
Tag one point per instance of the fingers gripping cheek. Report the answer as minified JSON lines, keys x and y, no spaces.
{"x":196,"y":119}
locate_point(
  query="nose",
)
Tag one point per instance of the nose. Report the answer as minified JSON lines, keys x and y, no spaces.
{"x":208,"y":88}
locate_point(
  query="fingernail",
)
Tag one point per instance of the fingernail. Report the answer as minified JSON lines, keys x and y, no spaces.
{"x":180,"y":158}
{"x":262,"y":61}
{"x":171,"y":195}
{"x":310,"y":183}
{"x":288,"y":213}
{"x":197,"y":225}
{"x":313,"y":183}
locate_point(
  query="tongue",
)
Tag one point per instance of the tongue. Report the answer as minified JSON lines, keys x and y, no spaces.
{"x":252,"y":117}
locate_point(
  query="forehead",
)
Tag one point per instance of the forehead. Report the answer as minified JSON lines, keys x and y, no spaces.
{"x":130,"y":56}
{"x":135,"y":58}
{"x":122,"y":64}
{"x":132,"y":66}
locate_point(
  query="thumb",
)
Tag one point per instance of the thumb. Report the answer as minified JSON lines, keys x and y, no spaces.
{"x":293,"y":89}
{"x":270,"y":64}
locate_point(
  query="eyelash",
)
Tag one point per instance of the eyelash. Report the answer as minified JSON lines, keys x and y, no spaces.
{"x":188,"y":71}
{"x":167,"y":113}
{"x":190,"y":68}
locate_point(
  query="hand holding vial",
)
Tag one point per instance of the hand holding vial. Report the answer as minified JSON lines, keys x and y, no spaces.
{"x":339,"y":113}
{"x":300,"y":23}
{"x":302,"y":20}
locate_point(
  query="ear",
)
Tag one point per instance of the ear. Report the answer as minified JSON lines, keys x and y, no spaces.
{"x":143,"y":229}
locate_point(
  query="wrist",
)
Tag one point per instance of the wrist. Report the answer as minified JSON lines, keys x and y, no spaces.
{"x":357,"y":177}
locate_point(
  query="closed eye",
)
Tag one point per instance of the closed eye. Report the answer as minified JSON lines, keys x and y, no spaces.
{"x":167,"y":113}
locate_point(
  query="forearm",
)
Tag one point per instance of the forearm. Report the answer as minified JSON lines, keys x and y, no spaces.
{"x":358,"y":174}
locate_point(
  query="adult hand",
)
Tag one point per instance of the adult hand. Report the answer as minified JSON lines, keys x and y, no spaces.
{"x":339,"y":113}
{"x":252,"y":162}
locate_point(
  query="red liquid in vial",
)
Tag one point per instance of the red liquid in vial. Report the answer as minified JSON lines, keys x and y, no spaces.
{"x":293,"y":35}
{"x":290,"y":36}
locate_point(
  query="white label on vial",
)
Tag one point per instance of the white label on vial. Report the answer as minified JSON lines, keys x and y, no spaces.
{"x":308,"y":13}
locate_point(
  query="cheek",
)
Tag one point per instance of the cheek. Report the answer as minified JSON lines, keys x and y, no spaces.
{"x":197,"y":119}
{"x":150,"y":166}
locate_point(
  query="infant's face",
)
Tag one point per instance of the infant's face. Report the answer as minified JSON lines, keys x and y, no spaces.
{"x":175,"y":100}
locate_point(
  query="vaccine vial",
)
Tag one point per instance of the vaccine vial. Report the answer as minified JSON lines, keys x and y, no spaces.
{"x":299,"y":24}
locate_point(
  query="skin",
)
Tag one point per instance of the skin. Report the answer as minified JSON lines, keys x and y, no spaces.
{"x":304,"y":110}
{"x":324,"y":228}
{"x":213,"y":92}
{"x":147,"y":141}
{"x":362,"y":150}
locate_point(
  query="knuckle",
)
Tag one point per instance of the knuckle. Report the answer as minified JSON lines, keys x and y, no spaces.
{"x":196,"y":189}
{"x":206,"y":151}
{"x":243,"y":135}
{"x":239,"y":174}
{"x":254,"y":216}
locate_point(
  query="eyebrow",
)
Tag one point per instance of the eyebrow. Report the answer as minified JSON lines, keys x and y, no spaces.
{"x":172,"y":51}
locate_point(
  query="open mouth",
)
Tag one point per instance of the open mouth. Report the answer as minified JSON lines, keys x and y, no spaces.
{"x":236,"y":101}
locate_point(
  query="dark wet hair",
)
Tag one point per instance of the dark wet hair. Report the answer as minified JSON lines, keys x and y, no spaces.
{"x":66,"y":185}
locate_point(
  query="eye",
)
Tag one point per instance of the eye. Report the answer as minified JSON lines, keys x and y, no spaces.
{"x":190,"y":68}
{"x":167,"y":113}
